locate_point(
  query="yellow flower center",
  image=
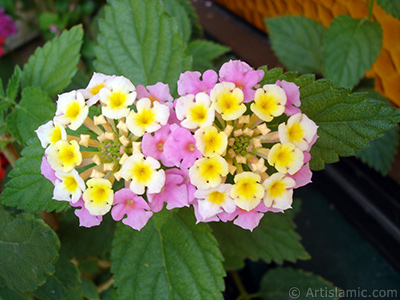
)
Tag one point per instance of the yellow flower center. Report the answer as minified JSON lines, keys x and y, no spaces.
{"x":73,"y":110}
{"x":70,"y":183}
{"x":55,"y":135}
{"x":67,"y":155}
{"x":145,"y":117}
{"x":142,"y":172}
{"x":96,"y":89}
{"x":216,"y":198}
{"x":99,"y":194}
{"x":277,"y":189}
{"x":198,"y":113}
{"x":296,"y":132}
{"x":117,"y":100}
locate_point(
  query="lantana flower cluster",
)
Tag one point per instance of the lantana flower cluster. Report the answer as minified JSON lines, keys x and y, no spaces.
{"x":7,"y":28}
{"x":227,"y":146}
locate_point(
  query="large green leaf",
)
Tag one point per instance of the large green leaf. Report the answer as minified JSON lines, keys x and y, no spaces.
{"x":274,"y":239}
{"x":392,"y":7}
{"x":141,"y":41}
{"x":34,"y":109}
{"x":173,"y":259}
{"x":178,"y":11}
{"x":287,"y":283}
{"x":62,"y":282}
{"x":28,"y":251}
{"x":380,"y":155}
{"x":28,"y":189}
{"x":204,"y":52}
{"x":80,"y":242}
{"x":347,"y":121}
{"x":9,"y":294}
{"x":350,"y":47}
{"x":13,"y":84}
{"x":297,"y":41}
{"x":52,"y":67}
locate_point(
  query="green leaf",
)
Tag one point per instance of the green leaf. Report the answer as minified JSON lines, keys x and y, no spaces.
{"x":275,"y":74}
{"x":296,"y":41}
{"x":347,"y":122}
{"x":180,"y":260}
{"x":140,"y":41}
{"x":204,"y":52}
{"x":28,"y":250}
{"x":8,"y":294}
{"x":52,"y":67}
{"x":178,"y":12}
{"x":350,"y":47}
{"x":59,"y":285}
{"x":35,"y":109}
{"x":392,"y":7}
{"x":80,"y":242}
{"x":380,"y":155}
{"x":287,"y":283}
{"x":89,"y":289}
{"x":13,"y":84}
{"x":274,"y":239}
{"x":12,"y":125}
{"x":28,"y":189}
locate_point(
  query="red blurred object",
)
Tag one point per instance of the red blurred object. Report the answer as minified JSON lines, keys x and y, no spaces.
{"x":3,"y":165}
{"x":2,"y":41}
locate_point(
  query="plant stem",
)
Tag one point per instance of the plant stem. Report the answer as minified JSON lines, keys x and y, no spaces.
{"x":105,"y":286}
{"x":370,"y":4}
{"x":243,"y":293}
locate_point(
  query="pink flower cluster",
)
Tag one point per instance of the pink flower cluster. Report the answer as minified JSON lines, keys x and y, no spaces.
{"x":212,"y":153}
{"x":7,"y":28}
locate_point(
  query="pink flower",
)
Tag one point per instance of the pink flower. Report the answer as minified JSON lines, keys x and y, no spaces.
{"x":136,"y":208}
{"x":243,"y":76}
{"x":7,"y":25}
{"x":293,"y":97}
{"x":47,"y":171}
{"x":180,"y":148}
{"x":199,"y":218}
{"x":157,"y":92}
{"x":190,"y":83}
{"x":246,"y":219}
{"x":302,"y":177}
{"x":177,"y":191}
{"x":85,"y":218}
{"x":153,"y":145}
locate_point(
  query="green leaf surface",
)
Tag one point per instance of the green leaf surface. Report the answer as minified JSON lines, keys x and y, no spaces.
{"x":13,"y":84}
{"x":178,"y":12}
{"x":350,"y":47}
{"x":34,"y":109}
{"x":380,"y":155}
{"x":28,"y":251}
{"x":347,"y":121}
{"x":28,"y":189}
{"x":274,"y":239}
{"x":296,"y":41}
{"x":80,"y":242}
{"x":204,"y":52}
{"x":8,"y":294}
{"x":181,"y":260}
{"x":287,"y":283}
{"x":52,"y":67}
{"x":141,"y":41}
{"x":89,"y":289}
{"x":61,"y":283}
{"x":391,"y":7}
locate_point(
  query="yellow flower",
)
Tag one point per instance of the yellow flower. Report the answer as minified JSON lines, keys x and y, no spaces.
{"x":143,"y":173}
{"x":147,"y":118}
{"x":300,"y":131}
{"x":286,"y":158}
{"x":278,"y":191}
{"x":269,"y":102}
{"x":51,"y":133}
{"x":228,"y":100}
{"x":98,"y":196}
{"x":71,"y":110}
{"x":247,"y":192}
{"x":195,"y":111}
{"x":207,"y":172}
{"x":211,"y":141}
{"x":64,"y":156}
